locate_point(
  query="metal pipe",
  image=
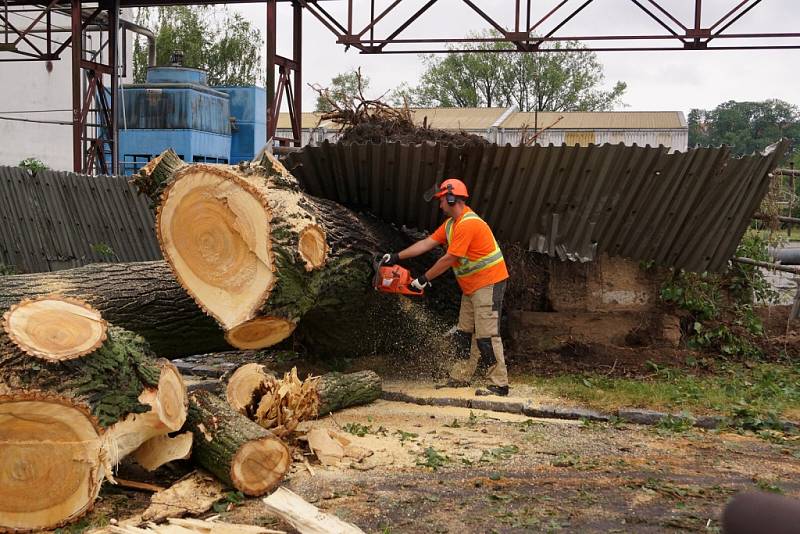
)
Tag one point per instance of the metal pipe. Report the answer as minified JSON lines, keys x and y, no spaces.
{"x":780,"y":218}
{"x":151,"y":39}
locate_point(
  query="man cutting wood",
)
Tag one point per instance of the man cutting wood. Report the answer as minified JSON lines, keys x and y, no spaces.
{"x":479,"y":267}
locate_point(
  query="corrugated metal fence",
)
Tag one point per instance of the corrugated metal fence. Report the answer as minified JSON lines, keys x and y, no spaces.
{"x":57,"y":220}
{"x":686,"y":210}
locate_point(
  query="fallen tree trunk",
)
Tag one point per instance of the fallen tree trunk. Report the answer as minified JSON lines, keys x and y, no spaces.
{"x":260,"y":256}
{"x":280,"y":405}
{"x":233,"y":448}
{"x":141,"y":297}
{"x":76,"y":396}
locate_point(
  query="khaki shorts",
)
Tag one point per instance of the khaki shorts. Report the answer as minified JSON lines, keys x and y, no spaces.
{"x":480,"y":316}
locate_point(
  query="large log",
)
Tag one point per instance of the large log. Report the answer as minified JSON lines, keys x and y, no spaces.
{"x":233,"y":448}
{"x":261,"y":256}
{"x":141,"y":297}
{"x":76,"y":396}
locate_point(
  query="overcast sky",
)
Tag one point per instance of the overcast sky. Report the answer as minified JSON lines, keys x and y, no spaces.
{"x":678,"y":80}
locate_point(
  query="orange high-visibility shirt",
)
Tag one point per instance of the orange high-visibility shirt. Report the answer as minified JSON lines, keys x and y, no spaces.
{"x":472,"y":239}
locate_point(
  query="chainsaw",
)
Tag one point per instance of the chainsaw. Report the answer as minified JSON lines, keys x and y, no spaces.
{"x":392,"y":279}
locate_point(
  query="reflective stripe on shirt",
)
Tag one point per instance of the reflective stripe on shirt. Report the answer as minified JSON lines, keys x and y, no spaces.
{"x":465,"y":266}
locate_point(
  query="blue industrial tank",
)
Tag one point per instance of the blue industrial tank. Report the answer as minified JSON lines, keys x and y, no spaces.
{"x":175,"y":109}
{"x":249,"y":126}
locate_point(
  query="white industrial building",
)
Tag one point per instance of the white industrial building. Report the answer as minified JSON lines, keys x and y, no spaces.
{"x":36,"y":110}
{"x":509,"y":126}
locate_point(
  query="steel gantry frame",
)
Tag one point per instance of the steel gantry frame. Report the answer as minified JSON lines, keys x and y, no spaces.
{"x":94,"y":81}
{"x":524,"y":34}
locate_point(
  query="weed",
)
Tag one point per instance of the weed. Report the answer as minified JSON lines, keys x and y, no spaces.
{"x":406,"y":436}
{"x":565,"y":460}
{"x":454,"y":424}
{"x":472,"y":420}
{"x":85,"y":523}
{"x":6,"y":270}
{"x":766,"y":485}
{"x":231,"y":500}
{"x":103,"y":249}
{"x":528,"y":424}
{"x":357,"y":429}
{"x":500,"y":453}
{"x":431,"y":458}
{"x":674,"y":424}
{"x":34,"y":165}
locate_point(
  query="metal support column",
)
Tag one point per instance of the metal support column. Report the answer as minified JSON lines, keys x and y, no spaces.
{"x":289,"y":80}
{"x":77,"y":53}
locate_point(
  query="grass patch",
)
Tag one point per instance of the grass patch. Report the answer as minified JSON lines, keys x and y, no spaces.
{"x":759,"y":389}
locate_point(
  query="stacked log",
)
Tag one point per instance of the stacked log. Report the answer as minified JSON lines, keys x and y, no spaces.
{"x":76,"y":396}
{"x":141,"y":297}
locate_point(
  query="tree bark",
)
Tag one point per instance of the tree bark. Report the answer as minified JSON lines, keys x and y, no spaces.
{"x":338,"y":391}
{"x":233,"y":448}
{"x":260,"y":256}
{"x":142,"y":297}
{"x":64,"y":423}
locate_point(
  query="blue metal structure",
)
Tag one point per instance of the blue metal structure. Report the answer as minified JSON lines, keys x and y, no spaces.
{"x":175,"y":109}
{"x":249,"y":126}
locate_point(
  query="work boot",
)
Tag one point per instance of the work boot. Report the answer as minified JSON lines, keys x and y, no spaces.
{"x":491,"y":389}
{"x":453,"y":383}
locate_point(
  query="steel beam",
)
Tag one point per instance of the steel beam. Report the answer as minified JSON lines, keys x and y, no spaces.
{"x":289,"y":80}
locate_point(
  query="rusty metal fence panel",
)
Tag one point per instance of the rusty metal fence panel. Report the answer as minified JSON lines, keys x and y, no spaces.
{"x":681,"y":209}
{"x":58,"y":220}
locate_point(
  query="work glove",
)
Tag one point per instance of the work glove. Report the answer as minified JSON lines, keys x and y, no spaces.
{"x":390,"y":258}
{"x":420,"y":283}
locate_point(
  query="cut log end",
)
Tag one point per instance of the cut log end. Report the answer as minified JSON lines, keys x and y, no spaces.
{"x":243,"y":384}
{"x":55,"y":328}
{"x":259,"y":466}
{"x":312,"y":247}
{"x":49,"y":461}
{"x":215,"y":234}
{"x":260,"y":332}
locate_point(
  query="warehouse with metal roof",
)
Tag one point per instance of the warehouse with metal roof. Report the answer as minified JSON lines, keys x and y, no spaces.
{"x":510,"y":126}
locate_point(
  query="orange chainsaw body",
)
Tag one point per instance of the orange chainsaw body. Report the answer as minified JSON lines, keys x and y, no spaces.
{"x":394,"y":279}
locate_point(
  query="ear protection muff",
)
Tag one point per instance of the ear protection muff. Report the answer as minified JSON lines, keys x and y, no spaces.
{"x":449,"y":196}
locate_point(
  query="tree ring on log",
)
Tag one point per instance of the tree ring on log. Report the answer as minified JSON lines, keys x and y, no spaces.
{"x":312,"y":247}
{"x":214,"y":230}
{"x":49,"y":461}
{"x":55,"y":328}
{"x":260,"y":332}
{"x":259,"y":466}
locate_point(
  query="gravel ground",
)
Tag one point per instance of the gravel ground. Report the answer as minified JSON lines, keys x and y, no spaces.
{"x":446,"y":469}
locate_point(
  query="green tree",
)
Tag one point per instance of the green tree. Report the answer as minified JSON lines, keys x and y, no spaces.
{"x":214,"y":39}
{"x":569,"y":80}
{"x":746,"y":127}
{"x":342,"y":91}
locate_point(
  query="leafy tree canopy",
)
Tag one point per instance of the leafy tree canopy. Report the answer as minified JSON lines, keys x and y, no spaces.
{"x":567,"y":80}
{"x":746,"y":127}
{"x":214,"y":39}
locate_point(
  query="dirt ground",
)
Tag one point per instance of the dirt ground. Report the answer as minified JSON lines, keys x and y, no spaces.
{"x":446,"y":469}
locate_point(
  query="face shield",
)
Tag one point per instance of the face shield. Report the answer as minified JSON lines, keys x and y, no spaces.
{"x":430,"y":194}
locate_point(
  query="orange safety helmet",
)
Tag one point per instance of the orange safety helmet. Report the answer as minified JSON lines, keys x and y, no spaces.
{"x":451,"y":188}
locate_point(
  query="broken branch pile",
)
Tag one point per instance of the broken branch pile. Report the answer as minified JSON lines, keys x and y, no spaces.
{"x":372,"y":121}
